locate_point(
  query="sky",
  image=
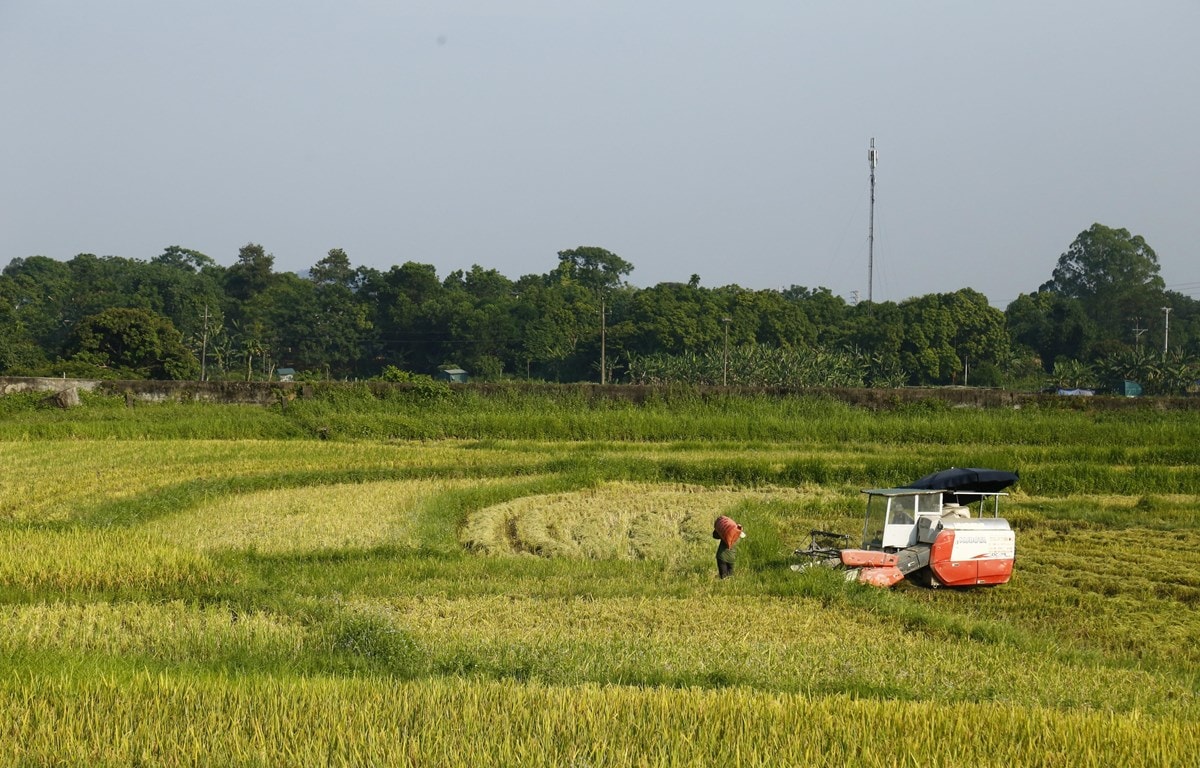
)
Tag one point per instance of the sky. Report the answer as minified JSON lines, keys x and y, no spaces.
{"x":717,"y":139}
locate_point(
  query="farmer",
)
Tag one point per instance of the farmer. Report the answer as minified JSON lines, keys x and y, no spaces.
{"x":729,"y":534}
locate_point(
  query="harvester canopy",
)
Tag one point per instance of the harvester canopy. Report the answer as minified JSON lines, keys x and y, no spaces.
{"x":966,"y":480}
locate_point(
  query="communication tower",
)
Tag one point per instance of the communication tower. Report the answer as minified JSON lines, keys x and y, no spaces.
{"x":873,"y":159}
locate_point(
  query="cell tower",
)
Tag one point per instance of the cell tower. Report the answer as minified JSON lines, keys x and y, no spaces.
{"x":873,"y":159}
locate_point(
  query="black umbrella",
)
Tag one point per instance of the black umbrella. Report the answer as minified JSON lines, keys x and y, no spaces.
{"x":955,"y":479}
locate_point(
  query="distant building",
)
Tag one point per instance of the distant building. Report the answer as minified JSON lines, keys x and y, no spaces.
{"x":1130,"y":388}
{"x":453,"y":375}
{"x":285,"y":374}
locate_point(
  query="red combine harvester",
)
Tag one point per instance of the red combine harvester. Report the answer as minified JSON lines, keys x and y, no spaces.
{"x":943,"y":530}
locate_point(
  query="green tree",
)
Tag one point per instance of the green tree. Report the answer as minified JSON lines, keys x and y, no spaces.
{"x":105,"y":282}
{"x":479,"y":313}
{"x":1052,"y":326}
{"x":284,"y":323}
{"x":591,"y":279}
{"x":1113,"y":274}
{"x":980,"y":339}
{"x":185,"y":259}
{"x":1180,"y":372}
{"x":135,"y":342}
{"x":251,"y":274}
{"x":927,"y":353}
{"x":335,"y":270}
{"x":1073,"y":374}
{"x":1184,"y":330}
{"x":41,"y":293}
{"x":185,"y":286}
{"x":876,"y":333}
{"x":827,"y":314}
{"x":674,"y":318}
{"x":594,"y":268}
{"x":407,"y":329}
{"x":557,"y":317}
{"x":1132,"y":364}
{"x":947,"y":334}
{"x":19,"y":351}
{"x":780,"y":323}
{"x":333,"y":339}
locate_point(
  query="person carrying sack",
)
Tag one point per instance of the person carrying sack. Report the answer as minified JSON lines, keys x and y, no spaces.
{"x":729,"y":533}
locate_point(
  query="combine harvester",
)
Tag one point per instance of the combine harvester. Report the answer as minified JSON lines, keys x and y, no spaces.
{"x":943,"y":530}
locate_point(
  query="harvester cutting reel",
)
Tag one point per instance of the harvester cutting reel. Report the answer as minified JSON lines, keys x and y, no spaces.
{"x":824,"y":550}
{"x":882,"y":569}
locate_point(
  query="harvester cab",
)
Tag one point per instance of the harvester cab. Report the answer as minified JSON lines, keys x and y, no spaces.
{"x":936,"y":536}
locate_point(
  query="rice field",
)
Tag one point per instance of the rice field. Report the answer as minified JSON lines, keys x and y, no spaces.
{"x":554,"y":602}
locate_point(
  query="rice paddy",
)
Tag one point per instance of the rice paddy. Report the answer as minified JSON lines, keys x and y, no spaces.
{"x":553,"y":602}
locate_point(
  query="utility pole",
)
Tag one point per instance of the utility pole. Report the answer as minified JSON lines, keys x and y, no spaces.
{"x":603,"y":365}
{"x":1166,"y":329}
{"x":725,"y":354}
{"x":204,"y":347}
{"x":873,"y":159}
{"x":1137,"y":332}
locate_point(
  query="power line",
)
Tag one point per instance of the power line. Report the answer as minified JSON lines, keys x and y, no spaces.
{"x":1184,"y":288}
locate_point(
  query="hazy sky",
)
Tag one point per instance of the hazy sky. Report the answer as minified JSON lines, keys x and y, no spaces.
{"x":727,"y":140}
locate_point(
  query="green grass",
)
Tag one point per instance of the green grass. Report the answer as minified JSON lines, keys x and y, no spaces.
{"x":358,"y":412}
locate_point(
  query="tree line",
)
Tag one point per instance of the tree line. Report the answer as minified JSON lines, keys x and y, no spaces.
{"x":1103,"y":315}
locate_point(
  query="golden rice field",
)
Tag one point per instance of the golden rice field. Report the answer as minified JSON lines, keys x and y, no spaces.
{"x":554,"y":603}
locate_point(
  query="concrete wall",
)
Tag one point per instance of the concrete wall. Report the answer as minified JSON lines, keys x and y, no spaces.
{"x":253,"y":392}
{"x":270,"y":393}
{"x":12,"y":384}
